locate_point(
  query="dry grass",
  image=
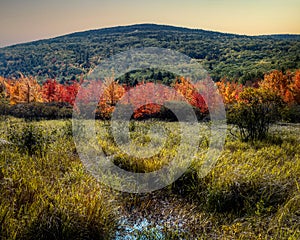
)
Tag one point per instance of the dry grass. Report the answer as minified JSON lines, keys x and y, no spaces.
{"x":252,"y":193}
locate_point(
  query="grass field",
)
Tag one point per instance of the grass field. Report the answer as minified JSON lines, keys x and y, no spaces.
{"x":253,"y":192}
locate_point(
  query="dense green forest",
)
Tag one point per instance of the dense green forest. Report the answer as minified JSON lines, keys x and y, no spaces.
{"x":237,"y":57}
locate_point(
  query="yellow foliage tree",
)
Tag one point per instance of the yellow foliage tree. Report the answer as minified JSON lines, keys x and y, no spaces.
{"x":112,"y":93}
{"x":229,"y":90}
{"x":23,"y":90}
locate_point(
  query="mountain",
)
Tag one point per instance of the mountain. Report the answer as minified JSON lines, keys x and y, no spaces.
{"x":234,"y":56}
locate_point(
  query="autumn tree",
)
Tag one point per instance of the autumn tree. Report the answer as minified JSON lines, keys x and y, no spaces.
{"x":229,"y":90}
{"x":51,"y":91}
{"x":146,"y":99}
{"x":89,"y":91}
{"x":111,"y":91}
{"x":295,"y":87}
{"x":88,"y":98}
{"x":280,"y":84}
{"x":23,"y":90}
{"x":69,"y":92}
{"x":191,"y":94}
{"x":55,"y":92}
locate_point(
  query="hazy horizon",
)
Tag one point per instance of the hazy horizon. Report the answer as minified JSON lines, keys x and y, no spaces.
{"x":26,"y":21}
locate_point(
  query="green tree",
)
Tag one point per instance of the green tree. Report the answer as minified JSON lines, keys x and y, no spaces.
{"x":127,"y":79}
{"x":2,"y":90}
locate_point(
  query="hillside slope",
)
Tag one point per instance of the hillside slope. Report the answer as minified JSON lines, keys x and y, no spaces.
{"x":235,"y":56}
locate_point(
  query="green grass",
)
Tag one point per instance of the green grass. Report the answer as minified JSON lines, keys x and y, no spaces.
{"x":253,"y":192}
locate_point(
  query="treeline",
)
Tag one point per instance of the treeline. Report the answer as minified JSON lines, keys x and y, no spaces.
{"x":24,"y":97}
{"x":278,"y":91}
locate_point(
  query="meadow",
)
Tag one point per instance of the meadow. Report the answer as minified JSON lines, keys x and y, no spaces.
{"x":253,"y":192}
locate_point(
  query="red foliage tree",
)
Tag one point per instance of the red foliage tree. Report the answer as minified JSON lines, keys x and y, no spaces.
{"x":146,"y":99}
{"x":191,"y":94}
{"x":51,"y":91}
{"x":55,"y":92}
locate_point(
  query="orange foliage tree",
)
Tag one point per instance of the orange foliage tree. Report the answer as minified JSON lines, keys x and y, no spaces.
{"x":280,"y":84}
{"x":111,"y":94}
{"x":295,"y":87}
{"x":90,"y":91}
{"x":145,"y":98}
{"x":23,"y":90}
{"x":229,"y":90}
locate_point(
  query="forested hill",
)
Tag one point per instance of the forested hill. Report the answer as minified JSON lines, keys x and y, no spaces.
{"x":235,"y":56}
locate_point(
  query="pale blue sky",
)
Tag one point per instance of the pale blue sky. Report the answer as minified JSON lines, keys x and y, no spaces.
{"x":22,"y":21}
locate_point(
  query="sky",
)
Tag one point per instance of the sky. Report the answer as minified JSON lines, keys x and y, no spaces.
{"x":28,"y":20}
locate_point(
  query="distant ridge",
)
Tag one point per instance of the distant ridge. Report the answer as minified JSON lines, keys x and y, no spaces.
{"x":158,"y":27}
{"x":235,"y":56}
{"x":142,"y":27}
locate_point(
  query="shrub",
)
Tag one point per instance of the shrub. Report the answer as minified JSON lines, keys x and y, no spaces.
{"x":255,"y":111}
{"x":291,"y":113}
{"x":28,"y":138}
{"x":38,"y":111}
{"x":4,"y":108}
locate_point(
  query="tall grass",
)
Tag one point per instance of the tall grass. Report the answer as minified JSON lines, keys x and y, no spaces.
{"x":49,"y":195}
{"x":253,"y":192}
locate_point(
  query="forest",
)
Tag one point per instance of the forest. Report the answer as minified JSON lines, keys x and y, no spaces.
{"x":238,"y":57}
{"x":27,"y":91}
